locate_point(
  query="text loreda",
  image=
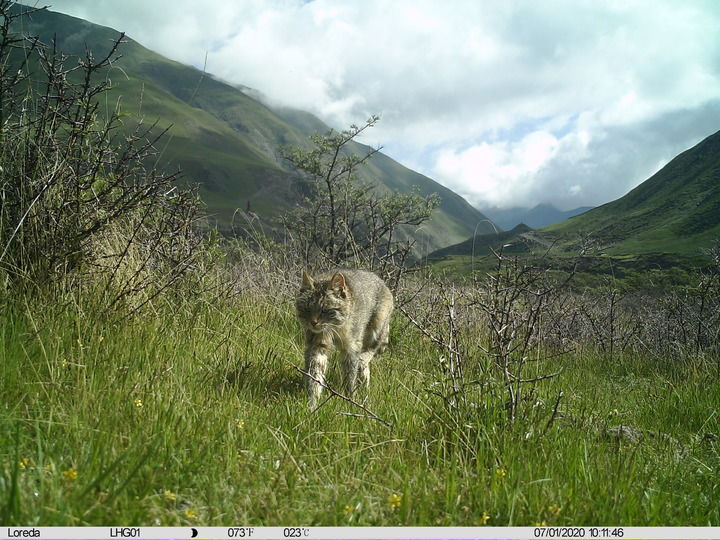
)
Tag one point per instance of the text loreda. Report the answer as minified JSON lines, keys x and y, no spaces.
{"x":24,"y":533}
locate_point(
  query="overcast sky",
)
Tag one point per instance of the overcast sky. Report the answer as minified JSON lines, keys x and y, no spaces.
{"x":507,"y":102}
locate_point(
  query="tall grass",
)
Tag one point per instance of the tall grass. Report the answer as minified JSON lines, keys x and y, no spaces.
{"x":193,"y":413}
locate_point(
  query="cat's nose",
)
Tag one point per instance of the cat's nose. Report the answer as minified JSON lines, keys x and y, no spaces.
{"x":314,"y":321}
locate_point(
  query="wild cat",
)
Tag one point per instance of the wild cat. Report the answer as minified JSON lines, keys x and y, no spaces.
{"x":349,"y":309}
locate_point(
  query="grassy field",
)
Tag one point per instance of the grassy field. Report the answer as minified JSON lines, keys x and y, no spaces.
{"x":148,"y":370}
{"x":192,"y":413}
{"x":623,"y":272}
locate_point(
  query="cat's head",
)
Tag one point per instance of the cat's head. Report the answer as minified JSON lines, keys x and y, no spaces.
{"x":322,"y":303}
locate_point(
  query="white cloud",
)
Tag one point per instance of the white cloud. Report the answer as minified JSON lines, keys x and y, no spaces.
{"x":498,"y":99}
{"x":498,"y":172}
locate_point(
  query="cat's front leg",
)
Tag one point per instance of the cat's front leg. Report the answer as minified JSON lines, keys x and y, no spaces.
{"x":315,"y":366}
{"x":351,"y":366}
{"x":316,"y":360}
{"x":364,"y":370}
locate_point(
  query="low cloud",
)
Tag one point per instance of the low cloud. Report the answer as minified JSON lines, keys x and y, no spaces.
{"x":585,"y":166}
{"x":492,"y":173}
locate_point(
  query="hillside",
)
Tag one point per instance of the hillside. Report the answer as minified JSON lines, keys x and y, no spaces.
{"x":482,"y":243}
{"x":677,"y":210}
{"x":228,"y":141}
{"x":663,"y":222}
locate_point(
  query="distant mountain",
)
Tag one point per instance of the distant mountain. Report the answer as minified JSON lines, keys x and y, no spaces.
{"x":227,"y":140}
{"x":669,"y":217}
{"x":480,"y":244}
{"x":677,"y":210}
{"x":536,"y":217}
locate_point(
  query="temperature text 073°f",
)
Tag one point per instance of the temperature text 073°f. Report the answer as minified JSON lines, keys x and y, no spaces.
{"x":240,"y":532}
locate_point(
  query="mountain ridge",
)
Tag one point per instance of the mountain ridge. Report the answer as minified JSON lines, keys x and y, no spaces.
{"x":540,"y":215}
{"x":675,"y":211}
{"x":230,"y":142}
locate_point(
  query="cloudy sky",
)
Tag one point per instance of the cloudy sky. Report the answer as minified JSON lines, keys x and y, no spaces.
{"x":508,"y":102}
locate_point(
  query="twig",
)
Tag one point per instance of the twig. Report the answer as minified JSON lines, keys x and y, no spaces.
{"x":554,"y":414}
{"x":334,"y":392}
{"x":355,"y":415}
{"x":427,"y":333}
{"x":535,"y":379}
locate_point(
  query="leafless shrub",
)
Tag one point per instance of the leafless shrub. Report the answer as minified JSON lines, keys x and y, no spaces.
{"x":672,"y":326}
{"x":684,"y":324}
{"x":515,"y":300}
{"x":489,"y":334}
{"x":612,"y":322}
{"x":261,"y":265}
{"x":78,"y":190}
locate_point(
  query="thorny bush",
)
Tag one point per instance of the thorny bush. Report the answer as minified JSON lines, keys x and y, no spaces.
{"x":80,"y":193}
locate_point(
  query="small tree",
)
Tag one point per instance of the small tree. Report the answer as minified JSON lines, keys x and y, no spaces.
{"x":342,"y":221}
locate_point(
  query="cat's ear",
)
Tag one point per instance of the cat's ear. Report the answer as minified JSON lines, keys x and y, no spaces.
{"x":307,"y":281}
{"x":338,"y":282}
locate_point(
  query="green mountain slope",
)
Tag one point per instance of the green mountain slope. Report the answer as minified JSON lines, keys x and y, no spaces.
{"x":677,"y":210}
{"x":228,"y":141}
{"x":666,"y":219}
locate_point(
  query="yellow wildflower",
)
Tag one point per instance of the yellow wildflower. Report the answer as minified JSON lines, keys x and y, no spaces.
{"x":500,"y":473}
{"x":49,"y":469}
{"x":169,"y":496}
{"x":138,"y":403}
{"x":70,"y":475}
{"x":541,"y":523}
{"x":394,"y":500}
{"x":240,"y":424}
{"x":554,"y":509}
{"x":348,"y":509}
{"x":190,"y":513}
{"x":484,"y":518}
{"x":23,"y":463}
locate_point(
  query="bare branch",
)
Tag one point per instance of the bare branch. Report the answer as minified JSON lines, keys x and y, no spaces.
{"x":334,"y":392}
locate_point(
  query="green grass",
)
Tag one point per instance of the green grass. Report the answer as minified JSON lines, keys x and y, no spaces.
{"x":194,"y":414}
{"x":652,"y":273}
